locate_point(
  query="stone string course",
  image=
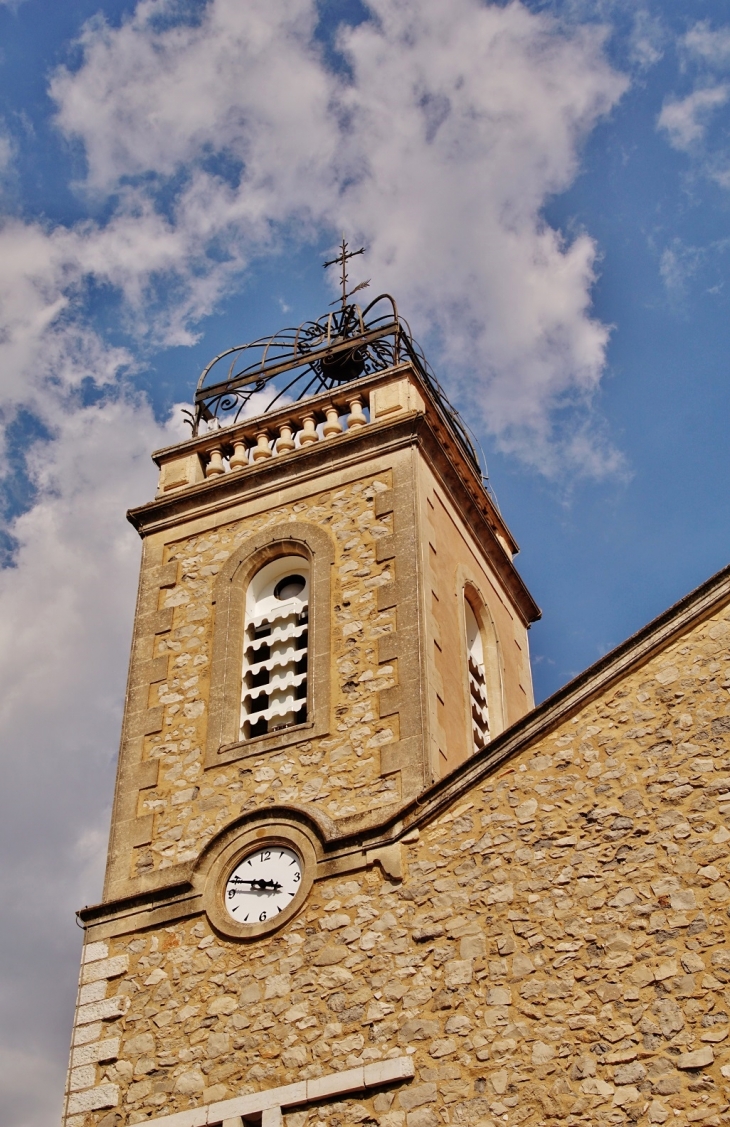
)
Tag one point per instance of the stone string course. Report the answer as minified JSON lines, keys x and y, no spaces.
{"x":341,"y":773}
{"x":557,"y":953}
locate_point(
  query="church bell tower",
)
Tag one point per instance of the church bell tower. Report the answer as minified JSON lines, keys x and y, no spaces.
{"x":329,"y":623}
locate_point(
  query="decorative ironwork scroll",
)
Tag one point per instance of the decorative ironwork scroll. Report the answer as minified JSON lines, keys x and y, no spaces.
{"x":321,"y":355}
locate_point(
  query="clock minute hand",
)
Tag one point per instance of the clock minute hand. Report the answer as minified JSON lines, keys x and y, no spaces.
{"x":260,"y":883}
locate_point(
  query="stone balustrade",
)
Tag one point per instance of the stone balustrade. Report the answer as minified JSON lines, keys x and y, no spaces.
{"x":223,"y":450}
{"x":305,"y":425}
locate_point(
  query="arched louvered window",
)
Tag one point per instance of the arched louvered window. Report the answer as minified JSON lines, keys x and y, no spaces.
{"x":274,"y":686}
{"x":477,"y":680}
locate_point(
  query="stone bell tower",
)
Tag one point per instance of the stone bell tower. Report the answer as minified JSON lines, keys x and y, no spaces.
{"x":329,"y":622}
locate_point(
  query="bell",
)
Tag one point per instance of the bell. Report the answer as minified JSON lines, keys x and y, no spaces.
{"x":343,"y":366}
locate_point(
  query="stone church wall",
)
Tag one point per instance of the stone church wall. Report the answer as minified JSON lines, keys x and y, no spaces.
{"x":557,"y":952}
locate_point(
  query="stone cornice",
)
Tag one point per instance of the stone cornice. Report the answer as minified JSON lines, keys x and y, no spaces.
{"x":351,"y":449}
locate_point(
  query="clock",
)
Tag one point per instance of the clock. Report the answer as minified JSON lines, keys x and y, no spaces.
{"x":263,"y":884}
{"x":258,"y":875}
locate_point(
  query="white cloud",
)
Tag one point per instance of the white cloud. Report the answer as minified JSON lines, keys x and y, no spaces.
{"x":708,"y":44}
{"x":677,"y":265}
{"x":646,"y":39}
{"x":685,"y":120}
{"x":691,"y":122}
{"x":465,"y":120}
{"x":457,"y":125}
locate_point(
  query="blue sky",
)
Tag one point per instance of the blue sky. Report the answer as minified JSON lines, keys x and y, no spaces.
{"x":546,"y":189}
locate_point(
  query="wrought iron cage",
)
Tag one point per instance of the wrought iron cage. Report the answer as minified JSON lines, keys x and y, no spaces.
{"x":339,"y":348}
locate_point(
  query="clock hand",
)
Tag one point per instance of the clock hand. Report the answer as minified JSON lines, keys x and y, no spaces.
{"x":259,"y":884}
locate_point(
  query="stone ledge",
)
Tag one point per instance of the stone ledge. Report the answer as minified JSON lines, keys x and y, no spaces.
{"x":293,"y":1095}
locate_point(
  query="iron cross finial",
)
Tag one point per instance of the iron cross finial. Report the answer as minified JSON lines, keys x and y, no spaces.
{"x":341,"y":260}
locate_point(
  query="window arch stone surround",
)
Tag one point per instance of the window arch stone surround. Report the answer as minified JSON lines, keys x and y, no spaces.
{"x":223,"y":744}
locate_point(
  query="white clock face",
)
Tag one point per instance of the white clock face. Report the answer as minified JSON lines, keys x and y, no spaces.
{"x":263,"y":884}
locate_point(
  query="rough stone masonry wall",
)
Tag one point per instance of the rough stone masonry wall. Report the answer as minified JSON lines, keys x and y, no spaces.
{"x":340,"y":773}
{"x":557,"y":954}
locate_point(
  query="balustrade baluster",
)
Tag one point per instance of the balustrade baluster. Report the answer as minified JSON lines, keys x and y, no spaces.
{"x":357,"y":417}
{"x":239,"y":458}
{"x":332,"y":426}
{"x":262,"y":449}
{"x":285,"y":441}
{"x":308,"y":433}
{"x":215,"y":463}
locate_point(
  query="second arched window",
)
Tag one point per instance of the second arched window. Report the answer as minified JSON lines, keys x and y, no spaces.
{"x":478,"y":702}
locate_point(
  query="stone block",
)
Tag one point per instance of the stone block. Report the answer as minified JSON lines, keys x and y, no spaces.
{"x":331,"y":955}
{"x":162,"y":622}
{"x":336,"y":1084}
{"x":525,"y":812}
{"x":387,"y":1071}
{"x":95,"y":1051}
{"x":105,"y":968}
{"x":625,"y":1094}
{"x":94,"y":1099}
{"x":388,"y":400}
{"x":629,"y":1073}
{"x":177,"y":473}
{"x":140,"y":830}
{"x":83,"y":1034}
{"x":83,"y":1077}
{"x":105,"y":1010}
{"x":385,"y":548}
{"x":473,"y":947}
{"x":458,"y":972}
{"x":387,"y":596}
{"x":542,"y":1053}
{"x":93,"y":992}
{"x":683,"y":900}
{"x":288,"y":1096}
{"x":94,"y":951}
{"x":423,"y":1117}
{"x":190,"y":1082}
{"x":499,"y":996}
{"x":238,"y":1106}
{"x":698,"y":1058}
{"x":383,"y":503}
{"x":167,"y":574}
{"x":389,"y":701}
{"x":195,"y":1117}
{"x":147,"y":773}
{"x":151,"y":721}
{"x":388,"y":647}
{"x":417,"y":1095}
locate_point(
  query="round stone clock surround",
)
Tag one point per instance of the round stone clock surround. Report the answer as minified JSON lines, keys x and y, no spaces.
{"x":253,"y":845}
